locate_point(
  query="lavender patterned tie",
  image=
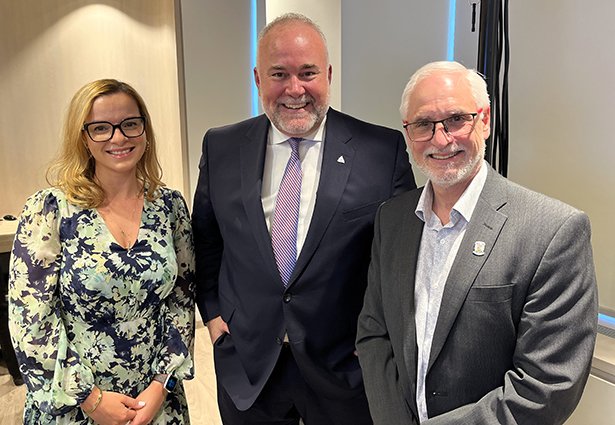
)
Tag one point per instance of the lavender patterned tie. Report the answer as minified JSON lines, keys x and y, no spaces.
{"x":286,"y":215}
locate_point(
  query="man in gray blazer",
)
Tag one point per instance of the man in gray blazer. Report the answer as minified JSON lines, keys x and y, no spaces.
{"x":481,"y":305}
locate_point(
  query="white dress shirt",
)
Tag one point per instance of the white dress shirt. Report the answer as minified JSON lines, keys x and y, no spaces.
{"x":276,"y":158}
{"x":438,"y":249}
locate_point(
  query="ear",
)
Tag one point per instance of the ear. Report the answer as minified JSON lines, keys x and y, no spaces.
{"x":329,"y":73}
{"x":257,"y":80}
{"x":486,"y":119}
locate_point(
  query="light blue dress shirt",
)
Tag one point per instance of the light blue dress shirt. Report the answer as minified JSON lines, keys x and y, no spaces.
{"x":438,"y":249}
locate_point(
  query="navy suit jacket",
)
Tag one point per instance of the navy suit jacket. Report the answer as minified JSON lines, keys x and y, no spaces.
{"x":237,"y":276}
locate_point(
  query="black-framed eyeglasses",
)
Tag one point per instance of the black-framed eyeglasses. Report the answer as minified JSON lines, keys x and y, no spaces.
{"x":103,"y":131}
{"x":457,"y":125}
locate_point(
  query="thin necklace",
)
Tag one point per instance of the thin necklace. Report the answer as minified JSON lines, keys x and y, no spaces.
{"x":107,"y":216}
{"x":124,"y":236}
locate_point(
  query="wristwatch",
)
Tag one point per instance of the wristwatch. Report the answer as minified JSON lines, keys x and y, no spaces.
{"x":169,"y":382}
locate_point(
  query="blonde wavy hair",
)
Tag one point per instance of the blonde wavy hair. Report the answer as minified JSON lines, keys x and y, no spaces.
{"x":73,"y":171}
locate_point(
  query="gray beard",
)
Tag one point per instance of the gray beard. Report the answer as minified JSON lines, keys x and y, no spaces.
{"x":452,"y":179}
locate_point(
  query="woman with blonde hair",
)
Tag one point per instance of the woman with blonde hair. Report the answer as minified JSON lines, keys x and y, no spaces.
{"x":101,"y":292}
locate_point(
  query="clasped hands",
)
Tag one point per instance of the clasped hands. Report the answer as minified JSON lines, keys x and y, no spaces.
{"x":119,"y":409}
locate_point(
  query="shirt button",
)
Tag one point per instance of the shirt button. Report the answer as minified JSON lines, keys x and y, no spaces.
{"x":287,"y":298}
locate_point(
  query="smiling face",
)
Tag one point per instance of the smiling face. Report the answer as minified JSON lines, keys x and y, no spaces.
{"x":121,"y":154}
{"x":293,"y":77}
{"x":446,"y":160}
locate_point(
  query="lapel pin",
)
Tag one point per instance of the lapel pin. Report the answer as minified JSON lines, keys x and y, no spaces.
{"x":479,"y":248}
{"x":341,"y":160}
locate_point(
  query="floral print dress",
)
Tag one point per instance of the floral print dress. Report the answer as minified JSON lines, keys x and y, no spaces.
{"x":85,"y":311}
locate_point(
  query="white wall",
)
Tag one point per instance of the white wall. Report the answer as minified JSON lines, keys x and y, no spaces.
{"x":217,"y":69}
{"x":384,"y":42}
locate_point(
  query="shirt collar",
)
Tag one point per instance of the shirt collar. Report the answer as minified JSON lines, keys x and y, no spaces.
{"x":276,"y":136}
{"x":466,"y":203}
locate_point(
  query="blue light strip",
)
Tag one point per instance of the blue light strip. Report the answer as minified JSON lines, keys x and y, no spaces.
{"x":607,"y":319}
{"x":450,"y":46}
{"x":253,"y":43}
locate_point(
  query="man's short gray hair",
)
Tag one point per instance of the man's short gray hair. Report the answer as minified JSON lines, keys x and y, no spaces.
{"x":478,"y":86}
{"x":288,"y":18}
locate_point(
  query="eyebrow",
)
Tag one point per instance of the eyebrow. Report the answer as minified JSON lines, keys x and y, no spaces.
{"x":302,"y":67}
{"x":448,"y":114}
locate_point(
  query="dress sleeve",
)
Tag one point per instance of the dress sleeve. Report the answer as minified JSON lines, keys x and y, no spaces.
{"x":177,"y":354}
{"x":52,"y":369}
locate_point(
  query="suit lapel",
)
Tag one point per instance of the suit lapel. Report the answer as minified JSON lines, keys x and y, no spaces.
{"x":485,"y":225}
{"x":333,"y":177}
{"x":405,"y":266}
{"x":252,"y":159}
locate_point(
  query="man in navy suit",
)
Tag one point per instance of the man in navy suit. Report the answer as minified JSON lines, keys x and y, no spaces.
{"x":284,"y":337}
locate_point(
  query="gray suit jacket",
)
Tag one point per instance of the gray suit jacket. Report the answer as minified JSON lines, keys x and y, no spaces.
{"x":516,"y":329}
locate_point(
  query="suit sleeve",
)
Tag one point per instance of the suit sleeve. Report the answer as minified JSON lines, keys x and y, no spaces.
{"x":555,"y":339}
{"x":403,"y":179}
{"x":208,"y":242}
{"x":381,"y":376}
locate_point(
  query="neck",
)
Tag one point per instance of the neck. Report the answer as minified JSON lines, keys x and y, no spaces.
{"x":445,"y":198}
{"x":120,"y":186}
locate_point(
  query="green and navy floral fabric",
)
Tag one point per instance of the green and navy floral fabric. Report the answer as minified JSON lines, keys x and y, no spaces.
{"x":85,"y":311}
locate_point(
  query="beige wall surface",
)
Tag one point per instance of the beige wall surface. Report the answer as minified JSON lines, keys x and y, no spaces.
{"x":596,"y":406}
{"x":50,"y":48}
{"x":217,"y":69}
{"x":562,"y":100}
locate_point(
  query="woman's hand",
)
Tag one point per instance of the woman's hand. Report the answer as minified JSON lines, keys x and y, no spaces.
{"x":153,"y":396}
{"x":113,"y":408}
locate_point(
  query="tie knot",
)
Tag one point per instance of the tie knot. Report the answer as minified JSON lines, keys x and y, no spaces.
{"x":294,"y":143}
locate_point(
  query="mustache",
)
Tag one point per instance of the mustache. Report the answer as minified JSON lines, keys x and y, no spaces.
{"x":294,"y":101}
{"x":449,"y":149}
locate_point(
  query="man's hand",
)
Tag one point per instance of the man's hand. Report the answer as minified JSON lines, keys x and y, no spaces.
{"x":217,"y":327}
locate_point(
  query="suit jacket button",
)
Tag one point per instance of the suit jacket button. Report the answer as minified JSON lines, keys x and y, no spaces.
{"x":278,"y":340}
{"x":287,"y":298}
